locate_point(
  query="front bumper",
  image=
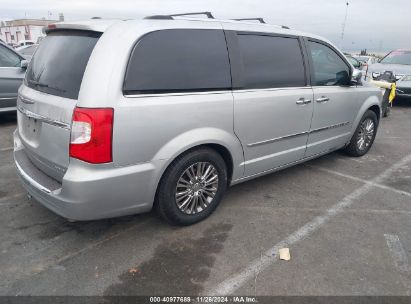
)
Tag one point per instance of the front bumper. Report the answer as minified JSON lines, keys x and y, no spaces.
{"x":90,"y":192}
{"x":405,"y":92}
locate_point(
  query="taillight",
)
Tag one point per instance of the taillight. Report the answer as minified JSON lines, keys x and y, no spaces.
{"x":91,"y":135}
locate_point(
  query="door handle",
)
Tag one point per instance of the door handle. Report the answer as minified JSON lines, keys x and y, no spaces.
{"x":322,"y":99}
{"x":303,"y":101}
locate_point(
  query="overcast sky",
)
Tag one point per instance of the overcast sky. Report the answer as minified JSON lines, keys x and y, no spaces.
{"x":372,"y":24}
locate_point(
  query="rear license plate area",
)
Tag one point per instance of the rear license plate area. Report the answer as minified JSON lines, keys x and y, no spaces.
{"x":30,"y":127}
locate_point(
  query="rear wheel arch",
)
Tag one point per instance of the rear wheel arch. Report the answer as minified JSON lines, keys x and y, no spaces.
{"x":223,"y":151}
{"x":225,"y":154}
{"x":217,"y":154}
{"x":225,"y":143}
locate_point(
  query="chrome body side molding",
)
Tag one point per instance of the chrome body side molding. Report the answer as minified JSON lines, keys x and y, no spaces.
{"x":268,"y":141}
{"x":43,"y":118}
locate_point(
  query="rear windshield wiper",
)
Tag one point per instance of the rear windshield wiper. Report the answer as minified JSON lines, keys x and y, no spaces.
{"x":44,"y":85}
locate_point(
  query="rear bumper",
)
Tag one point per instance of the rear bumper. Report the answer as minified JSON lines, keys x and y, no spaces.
{"x":90,"y":192}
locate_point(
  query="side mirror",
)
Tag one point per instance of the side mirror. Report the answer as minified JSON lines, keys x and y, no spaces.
{"x":24,"y":64}
{"x":356,"y":77}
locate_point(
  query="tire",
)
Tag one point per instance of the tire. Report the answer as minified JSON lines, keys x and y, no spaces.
{"x":386,"y":112}
{"x":355,"y":148}
{"x":196,"y":203}
{"x":386,"y":103}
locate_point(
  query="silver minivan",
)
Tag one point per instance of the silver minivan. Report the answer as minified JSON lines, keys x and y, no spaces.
{"x":118,"y":117}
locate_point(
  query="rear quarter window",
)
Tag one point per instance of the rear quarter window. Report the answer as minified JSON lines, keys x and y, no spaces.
{"x":178,"y":60}
{"x":59,"y":62}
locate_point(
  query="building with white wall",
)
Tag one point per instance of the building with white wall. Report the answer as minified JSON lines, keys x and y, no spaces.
{"x":14,"y":31}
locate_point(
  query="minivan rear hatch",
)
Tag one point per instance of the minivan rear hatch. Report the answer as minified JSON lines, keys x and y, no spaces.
{"x":49,"y":96}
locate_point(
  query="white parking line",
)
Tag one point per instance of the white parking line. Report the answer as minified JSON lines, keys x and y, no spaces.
{"x":269,"y":208}
{"x":235,"y":281}
{"x":400,"y":258}
{"x":377,"y":185}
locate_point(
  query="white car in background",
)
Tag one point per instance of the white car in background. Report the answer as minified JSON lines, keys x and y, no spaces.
{"x":23,"y":43}
{"x":366,"y":61}
{"x":27,"y":51}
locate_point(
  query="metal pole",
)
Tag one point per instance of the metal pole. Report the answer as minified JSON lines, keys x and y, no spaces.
{"x":344,"y":23}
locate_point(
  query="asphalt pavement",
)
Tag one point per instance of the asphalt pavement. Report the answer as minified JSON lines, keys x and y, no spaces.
{"x":347,"y":222}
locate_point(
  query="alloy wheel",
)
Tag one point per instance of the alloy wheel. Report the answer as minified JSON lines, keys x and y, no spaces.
{"x":365,"y":134}
{"x":196,"y":188}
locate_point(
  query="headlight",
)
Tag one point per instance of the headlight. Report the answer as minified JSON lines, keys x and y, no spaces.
{"x":398,"y":76}
{"x":406,"y":78}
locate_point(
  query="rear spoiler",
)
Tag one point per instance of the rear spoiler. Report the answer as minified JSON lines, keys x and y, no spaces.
{"x":94,"y":25}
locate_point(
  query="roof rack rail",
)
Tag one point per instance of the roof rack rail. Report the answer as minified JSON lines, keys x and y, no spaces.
{"x":170,"y":17}
{"x":261,"y":20}
{"x":159,"y":17}
{"x":208,"y":14}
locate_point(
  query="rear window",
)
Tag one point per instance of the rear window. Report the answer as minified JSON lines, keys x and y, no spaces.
{"x":180,"y":60}
{"x":59,"y":63}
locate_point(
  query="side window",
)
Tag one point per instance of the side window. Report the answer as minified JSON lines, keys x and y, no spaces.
{"x":179,"y":60}
{"x":271,"y":62}
{"x":329,"y":68}
{"x":8,"y":58}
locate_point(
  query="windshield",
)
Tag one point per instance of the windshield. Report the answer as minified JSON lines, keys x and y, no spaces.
{"x":353,"y":61}
{"x":398,"y":57}
{"x":28,"y":50}
{"x":362,"y":59}
{"x":58,"y":65}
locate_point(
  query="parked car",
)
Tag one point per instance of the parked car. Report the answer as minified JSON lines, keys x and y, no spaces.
{"x":12,"y":69}
{"x":354,"y":62}
{"x":12,"y":45}
{"x":25,"y":43}
{"x":27,"y":51}
{"x":366,"y":61}
{"x":398,"y":62}
{"x":167,"y":112}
